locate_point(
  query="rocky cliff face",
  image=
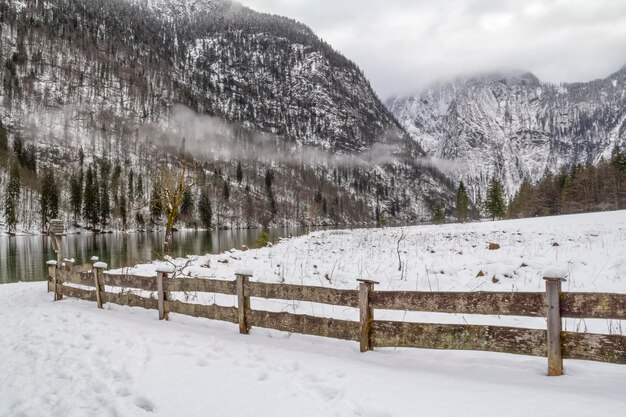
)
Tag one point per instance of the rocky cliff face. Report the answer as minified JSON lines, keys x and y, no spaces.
{"x":514,"y":125}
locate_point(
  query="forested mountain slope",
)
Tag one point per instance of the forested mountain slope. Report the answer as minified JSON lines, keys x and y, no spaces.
{"x":110,"y":76}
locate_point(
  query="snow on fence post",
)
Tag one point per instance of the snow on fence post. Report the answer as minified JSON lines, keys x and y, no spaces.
{"x":98,"y":268}
{"x":553,"y":293}
{"x":69,"y":264}
{"x":53,"y":279}
{"x":366,"y":313}
{"x":243,"y":301}
{"x":162,"y":275}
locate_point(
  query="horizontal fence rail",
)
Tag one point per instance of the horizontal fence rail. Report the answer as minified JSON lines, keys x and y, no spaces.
{"x":70,"y":281}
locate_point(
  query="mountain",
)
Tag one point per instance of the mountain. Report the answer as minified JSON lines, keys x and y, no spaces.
{"x":515,"y":126}
{"x":110,"y":78}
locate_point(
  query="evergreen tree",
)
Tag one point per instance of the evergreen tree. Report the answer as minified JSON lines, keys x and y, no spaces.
{"x":618,"y":159}
{"x":12,"y":197}
{"x":123,"y":212}
{"x":239,"y":173}
{"x":618,"y":163}
{"x":439,"y":216}
{"x":462,"y":203}
{"x":131,"y":185}
{"x":18,"y":148}
{"x":139,"y":221}
{"x":156,"y":206}
{"x":104,"y":199}
{"x":269,"y":178}
{"x":494,"y":204}
{"x":91,"y":206}
{"x":548,"y":196}
{"x":49,"y":198}
{"x":139,"y":190}
{"x":29,"y":159}
{"x":186,"y":208}
{"x":4,"y":141}
{"x":226,"y":192}
{"x":204,"y":209}
{"x":521,"y":204}
{"x":76,"y":195}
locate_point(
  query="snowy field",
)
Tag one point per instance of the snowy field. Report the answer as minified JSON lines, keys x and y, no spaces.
{"x":71,"y":359}
{"x":591,"y":248}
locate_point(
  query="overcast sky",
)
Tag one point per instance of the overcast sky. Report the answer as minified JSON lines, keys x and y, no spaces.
{"x":404,"y":45}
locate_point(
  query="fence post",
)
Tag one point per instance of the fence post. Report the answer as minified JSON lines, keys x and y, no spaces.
{"x":98,"y":268}
{"x":69,"y":264}
{"x":162,"y":276}
{"x":366,"y":313}
{"x":553,"y":293}
{"x":243,"y":301}
{"x":53,"y":279}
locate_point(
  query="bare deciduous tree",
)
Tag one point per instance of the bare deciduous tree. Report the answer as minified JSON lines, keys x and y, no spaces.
{"x":173,"y":182}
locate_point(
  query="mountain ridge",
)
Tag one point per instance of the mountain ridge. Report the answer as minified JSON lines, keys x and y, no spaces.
{"x":492,"y":126}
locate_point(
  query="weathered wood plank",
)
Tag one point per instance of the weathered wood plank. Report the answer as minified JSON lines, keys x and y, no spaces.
{"x":594,"y":347}
{"x":130,"y":281}
{"x":333,"y":296}
{"x":87,"y":295}
{"x":76,"y":277}
{"x":488,"y":303}
{"x":200,"y":285}
{"x":213,"y":311}
{"x":593,"y":305}
{"x":303,"y":324}
{"x":131,"y":300}
{"x":459,"y":337}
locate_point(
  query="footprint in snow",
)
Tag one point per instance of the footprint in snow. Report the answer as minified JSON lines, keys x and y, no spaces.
{"x":123,"y":392}
{"x":144,"y":404}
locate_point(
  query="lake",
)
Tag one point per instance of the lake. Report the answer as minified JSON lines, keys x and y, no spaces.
{"x":23,"y":258}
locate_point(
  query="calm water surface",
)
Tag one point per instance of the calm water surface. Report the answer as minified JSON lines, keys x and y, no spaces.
{"x":23,"y":258}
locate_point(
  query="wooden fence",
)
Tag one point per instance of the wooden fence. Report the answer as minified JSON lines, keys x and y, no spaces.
{"x":553,"y":304}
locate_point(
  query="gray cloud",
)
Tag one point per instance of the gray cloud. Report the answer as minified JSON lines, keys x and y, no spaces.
{"x":405,"y":45}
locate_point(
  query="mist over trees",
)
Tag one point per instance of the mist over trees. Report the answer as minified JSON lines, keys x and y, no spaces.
{"x":88,"y":91}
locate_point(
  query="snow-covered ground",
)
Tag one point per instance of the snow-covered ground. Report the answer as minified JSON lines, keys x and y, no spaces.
{"x":70,"y":359}
{"x":591,"y":248}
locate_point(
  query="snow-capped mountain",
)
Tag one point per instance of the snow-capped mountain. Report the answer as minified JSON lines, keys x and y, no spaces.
{"x":514,"y":125}
{"x":108,"y":76}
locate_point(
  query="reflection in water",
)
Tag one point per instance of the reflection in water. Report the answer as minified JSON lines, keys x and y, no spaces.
{"x":23,"y":258}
